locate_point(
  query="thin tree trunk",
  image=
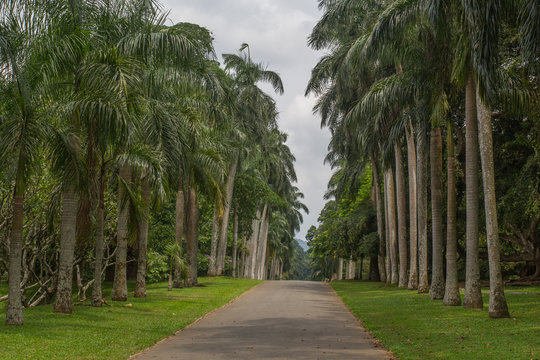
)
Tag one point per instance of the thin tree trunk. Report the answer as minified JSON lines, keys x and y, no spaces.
{"x":64,"y":294}
{"x":256,"y":244}
{"x":264,"y":241}
{"x":14,"y":315}
{"x":235,"y":242}
{"x":252,"y":245}
{"x":473,"y":295}
{"x":97,"y":293}
{"x":351,"y":269}
{"x":422,"y":203}
{"x":119,"y":292}
{"x":192,"y":236}
{"x":242,"y":265}
{"x":179,"y":231}
{"x":340,"y":269}
{"x":380,"y":220}
{"x":223,"y":235}
{"x":413,"y":210}
{"x":391,"y":204}
{"x":142,"y":237}
{"x":437,"y":270}
{"x":216,"y":222}
{"x":401,"y":216}
{"x":388,"y":259}
{"x":451,"y":293}
{"x":361,"y":268}
{"x":498,"y":307}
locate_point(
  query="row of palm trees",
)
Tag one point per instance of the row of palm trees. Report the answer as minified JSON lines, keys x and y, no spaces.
{"x":114,"y":102}
{"x":392,"y":75}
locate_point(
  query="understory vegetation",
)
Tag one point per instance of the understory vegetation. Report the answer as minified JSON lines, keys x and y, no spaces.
{"x":117,"y":330}
{"x":414,"y":327}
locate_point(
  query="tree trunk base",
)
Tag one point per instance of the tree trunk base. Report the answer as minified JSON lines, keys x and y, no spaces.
{"x":140,"y":293}
{"x":413,"y":283}
{"x":452,"y":299}
{"x":63,"y":308}
{"x":498,"y":309}
{"x":437,"y":291}
{"x":14,"y":317}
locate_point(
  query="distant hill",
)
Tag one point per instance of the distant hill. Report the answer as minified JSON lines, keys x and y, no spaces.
{"x":303,"y":244}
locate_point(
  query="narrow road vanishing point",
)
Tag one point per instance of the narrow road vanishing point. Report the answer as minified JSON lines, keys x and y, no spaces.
{"x":276,"y":320}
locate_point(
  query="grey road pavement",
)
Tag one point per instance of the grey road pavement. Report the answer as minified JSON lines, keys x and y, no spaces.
{"x":275,"y":320}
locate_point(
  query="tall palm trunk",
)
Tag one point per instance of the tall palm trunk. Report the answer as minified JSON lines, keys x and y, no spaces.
{"x":142,"y":237}
{"x":68,"y":235}
{"x":256,"y":244}
{"x":401,"y":215}
{"x":437,"y":270}
{"x":252,"y":245}
{"x":387,"y":251}
{"x":216,"y":220}
{"x":451,"y":293}
{"x":97,"y":293}
{"x":388,"y":241}
{"x":14,"y":315}
{"x":223,"y":235}
{"x":64,"y":296}
{"x":351,"y":269}
{"x":263,"y":244}
{"x":119,"y":292}
{"x":473,"y":296}
{"x":422,"y":202}
{"x":497,"y":301}
{"x":192,"y":236}
{"x":413,"y":209}
{"x":392,"y":226}
{"x":380,"y":226}
{"x":179,"y":231}
{"x":235,"y":242}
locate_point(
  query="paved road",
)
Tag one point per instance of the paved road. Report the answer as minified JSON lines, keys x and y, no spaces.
{"x":276,"y":320}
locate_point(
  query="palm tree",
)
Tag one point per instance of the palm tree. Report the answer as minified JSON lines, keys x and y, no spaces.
{"x":246,"y":75}
{"x":402,"y":218}
{"x":437,"y":275}
{"x":22,"y":130}
{"x":413,"y":224}
{"x":451,"y":293}
{"x":483,"y":22}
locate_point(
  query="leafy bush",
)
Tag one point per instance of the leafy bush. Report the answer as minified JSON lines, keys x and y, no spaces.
{"x":157,"y":267}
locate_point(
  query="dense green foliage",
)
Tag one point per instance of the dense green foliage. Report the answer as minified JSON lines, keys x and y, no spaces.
{"x":125,"y":142}
{"x":119,"y":330}
{"x":413,"y":327}
{"x":398,"y":84}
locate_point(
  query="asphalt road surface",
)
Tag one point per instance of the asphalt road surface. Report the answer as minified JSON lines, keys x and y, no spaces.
{"x":275,"y":320}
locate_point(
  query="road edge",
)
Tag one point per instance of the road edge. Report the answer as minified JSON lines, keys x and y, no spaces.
{"x":134,"y":356}
{"x":374,"y":340}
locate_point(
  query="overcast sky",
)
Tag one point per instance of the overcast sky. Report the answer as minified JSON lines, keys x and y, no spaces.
{"x":276,"y":31}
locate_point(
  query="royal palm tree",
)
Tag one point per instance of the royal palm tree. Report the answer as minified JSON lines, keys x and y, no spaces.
{"x":21,"y":129}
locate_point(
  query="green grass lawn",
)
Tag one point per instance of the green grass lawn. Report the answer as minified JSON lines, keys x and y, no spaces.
{"x":117,"y":331}
{"x":414,"y":327}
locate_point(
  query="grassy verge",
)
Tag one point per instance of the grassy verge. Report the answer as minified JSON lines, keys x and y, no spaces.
{"x":415,"y":327}
{"x":117,"y":331}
